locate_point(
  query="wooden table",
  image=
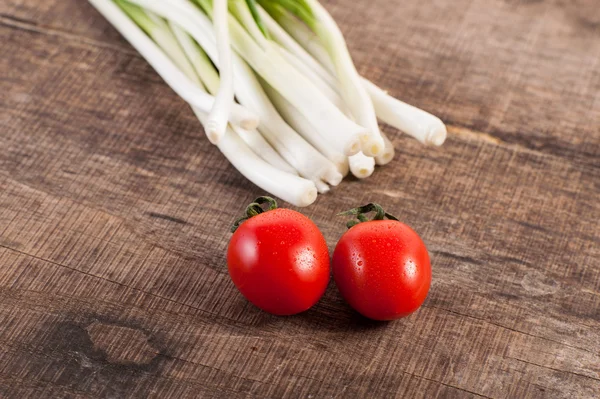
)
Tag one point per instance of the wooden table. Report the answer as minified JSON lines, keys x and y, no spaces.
{"x":115,"y":215}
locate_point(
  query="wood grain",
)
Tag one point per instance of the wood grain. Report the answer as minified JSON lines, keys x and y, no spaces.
{"x":114,"y":216}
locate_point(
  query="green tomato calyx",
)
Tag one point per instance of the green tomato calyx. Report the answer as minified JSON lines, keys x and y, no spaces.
{"x":255,"y":208}
{"x":360,"y":212}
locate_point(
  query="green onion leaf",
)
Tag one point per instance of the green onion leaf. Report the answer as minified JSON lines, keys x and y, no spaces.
{"x":257,"y":18}
{"x":138,"y":16}
{"x":299,"y":8}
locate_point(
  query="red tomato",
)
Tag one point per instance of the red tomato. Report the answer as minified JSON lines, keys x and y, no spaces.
{"x":382,"y":269}
{"x":279,"y":261}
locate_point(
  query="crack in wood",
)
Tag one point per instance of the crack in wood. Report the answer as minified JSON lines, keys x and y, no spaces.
{"x":554,"y":369}
{"x":525,"y":145}
{"x":125,"y":222}
{"x":166,"y":217}
{"x":509,"y":328}
{"x":214,"y":315}
{"x":463,"y":258}
{"x":22,"y":24}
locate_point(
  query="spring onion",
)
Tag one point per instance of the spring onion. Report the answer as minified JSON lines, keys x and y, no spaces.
{"x":274,"y":86}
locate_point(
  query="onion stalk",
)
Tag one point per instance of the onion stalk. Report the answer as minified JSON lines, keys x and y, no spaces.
{"x":361,"y":165}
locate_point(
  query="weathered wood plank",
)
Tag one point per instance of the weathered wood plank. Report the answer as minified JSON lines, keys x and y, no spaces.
{"x":112,"y":242}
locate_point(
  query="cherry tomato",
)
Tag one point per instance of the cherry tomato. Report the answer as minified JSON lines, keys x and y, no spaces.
{"x":381,"y":267}
{"x":278,"y":259}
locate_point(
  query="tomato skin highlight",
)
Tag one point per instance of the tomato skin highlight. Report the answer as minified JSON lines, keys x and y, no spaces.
{"x":279,"y":261}
{"x":382,"y":269}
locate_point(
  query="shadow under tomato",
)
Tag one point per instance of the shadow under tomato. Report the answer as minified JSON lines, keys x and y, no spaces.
{"x":319,"y":318}
{"x":333,"y":314}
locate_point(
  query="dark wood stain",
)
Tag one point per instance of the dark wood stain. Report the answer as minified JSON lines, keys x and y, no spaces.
{"x":85,"y":367}
{"x":115,"y":214}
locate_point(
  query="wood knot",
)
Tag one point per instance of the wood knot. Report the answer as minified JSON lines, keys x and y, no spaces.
{"x":122,"y":345}
{"x":538,"y":284}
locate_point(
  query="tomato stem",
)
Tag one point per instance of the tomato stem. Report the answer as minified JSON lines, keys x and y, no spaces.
{"x":255,"y":208}
{"x":360,"y":212}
